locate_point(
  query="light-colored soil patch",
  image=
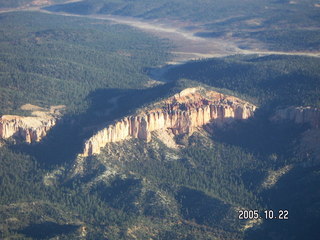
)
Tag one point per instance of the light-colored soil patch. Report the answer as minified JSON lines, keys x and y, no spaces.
{"x":167,"y":137}
{"x":50,"y":178}
{"x":56,"y":110}
{"x":41,"y":2}
{"x":30,"y":107}
{"x":254,"y":22}
{"x":262,"y":52}
{"x":253,"y":223}
{"x":274,"y":176}
{"x":43,"y":112}
{"x":152,"y":83}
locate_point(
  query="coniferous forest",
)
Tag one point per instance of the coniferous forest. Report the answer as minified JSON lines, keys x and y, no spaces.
{"x":195,"y":189}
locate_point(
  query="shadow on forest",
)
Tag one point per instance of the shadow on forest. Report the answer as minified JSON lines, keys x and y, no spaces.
{"x":47,"y":230}
{"x":262,"y":136}
{"x":65,"y":141}
{"x":203,"y":209}
{"x":121,"y":193}
{"x":297,"y":192}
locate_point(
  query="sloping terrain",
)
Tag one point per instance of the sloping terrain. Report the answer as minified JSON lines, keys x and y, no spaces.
{"x":180,"y":114}
{"x":185,"y":176}
{"x":20,"y":4}
{"x":60,"y":60}
{"x":276,"y":25}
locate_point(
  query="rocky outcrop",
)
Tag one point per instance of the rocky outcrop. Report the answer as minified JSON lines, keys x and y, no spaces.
{"x":310,"y":139}
{"x":29,"y":129}
{"x":309,"y":115}
{"x":182,"y":113}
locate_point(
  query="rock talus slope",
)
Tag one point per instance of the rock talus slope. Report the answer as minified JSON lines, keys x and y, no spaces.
{"x":181,"y":113}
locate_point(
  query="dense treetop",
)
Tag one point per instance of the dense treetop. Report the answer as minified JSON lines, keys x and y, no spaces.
{"x":47,"y":59}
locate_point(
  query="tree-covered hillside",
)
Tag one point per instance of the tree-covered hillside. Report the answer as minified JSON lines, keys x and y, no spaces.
{"x":281,"y":25}
{"x":267,"y":80}
{"x":47,"y":59}
{"x":26,"y":3}
{"x":182,"y":186}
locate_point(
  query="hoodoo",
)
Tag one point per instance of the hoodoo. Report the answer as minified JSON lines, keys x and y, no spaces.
{"x":181,"y":113}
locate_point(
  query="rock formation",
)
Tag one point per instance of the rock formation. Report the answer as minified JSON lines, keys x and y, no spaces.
{"x":181,"y":113}
{"x":299,"y":115}
{"x":29,"y":129}
{"x":309,"y":142}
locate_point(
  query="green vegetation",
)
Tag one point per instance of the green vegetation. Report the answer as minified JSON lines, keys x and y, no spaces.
{"x":230,"y":10}
{"x":270,"y":80}
{"x":285,"y":40}
{"x":217,"y":170}
{"x":48,"y":60}
{"x":280,"y":25}
{"x":139,"y":190}
{"x":296,"y":192}
{"x":60,"y":60}
{"x":22,"y":185}
{"x":23,"y":3}
{"x":204,"y":181}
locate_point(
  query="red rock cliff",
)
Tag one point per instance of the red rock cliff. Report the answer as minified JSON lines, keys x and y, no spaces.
{"x":182,"y":113}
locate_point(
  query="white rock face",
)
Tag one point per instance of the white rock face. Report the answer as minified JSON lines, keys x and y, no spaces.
{"x":309,"y":115}
{"x":29,"y":129}
{"x":181,"y":113}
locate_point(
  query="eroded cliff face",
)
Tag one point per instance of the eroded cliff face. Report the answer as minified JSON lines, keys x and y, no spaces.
{"x":29,"y":129}
{"x":181,"y":113}
{"x":310,"y":139}
{"x":309,"y":115}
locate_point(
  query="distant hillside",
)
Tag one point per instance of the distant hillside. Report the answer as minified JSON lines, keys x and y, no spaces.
{"x":24,"y":3}
{"x":51,"y":60}
{"x":191,"y":174}
{"x":268,"y":80}
{"x":281,"y":25}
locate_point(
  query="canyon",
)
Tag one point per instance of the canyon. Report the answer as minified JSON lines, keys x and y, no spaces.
{"x":32,"y":128}
{"x":181,"y":113}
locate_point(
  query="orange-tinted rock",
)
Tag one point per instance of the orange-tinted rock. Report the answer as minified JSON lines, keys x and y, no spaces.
{"x":29,"y":129}
{"x":181,"y":113}
{"x":33,"y":128}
